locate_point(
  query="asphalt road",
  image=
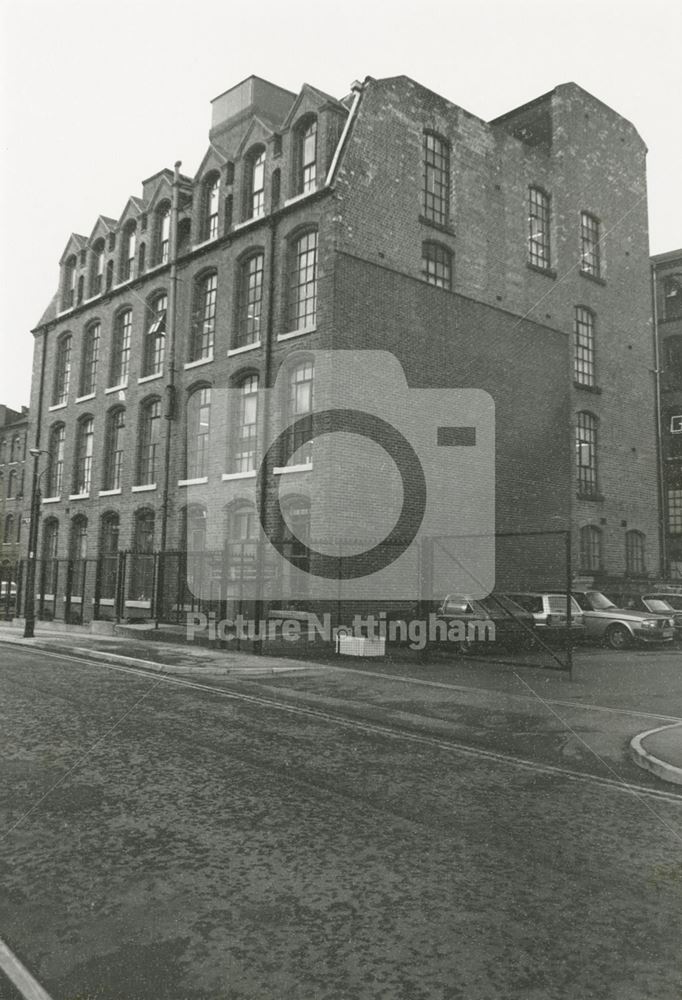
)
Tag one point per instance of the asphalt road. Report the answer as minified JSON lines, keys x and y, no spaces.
{"x":164,"y":842}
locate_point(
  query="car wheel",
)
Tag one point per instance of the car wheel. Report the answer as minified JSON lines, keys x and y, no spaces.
{"x":617,"y":637}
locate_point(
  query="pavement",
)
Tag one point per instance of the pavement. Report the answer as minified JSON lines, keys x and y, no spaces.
{"x":657,"y":750}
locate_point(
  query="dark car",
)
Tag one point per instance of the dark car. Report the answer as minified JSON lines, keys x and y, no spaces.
{"x":494,"y":619}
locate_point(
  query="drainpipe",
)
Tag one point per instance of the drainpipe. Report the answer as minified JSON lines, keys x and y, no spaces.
{"x":170,"y":407}
{"x":657,"y":370}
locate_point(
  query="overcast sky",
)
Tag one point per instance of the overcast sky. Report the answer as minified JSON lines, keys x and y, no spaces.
{"x":97,"y":96}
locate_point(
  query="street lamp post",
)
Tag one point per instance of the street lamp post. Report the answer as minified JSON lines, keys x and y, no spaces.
{"x":30,"y":593}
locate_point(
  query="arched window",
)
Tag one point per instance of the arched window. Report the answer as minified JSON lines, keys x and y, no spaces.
{"x":634,"y":553}
{"x":49,"y":553}
{"x":108,"y":555}
{"x":162,"y":234}
{"x":249,"y":300}
{"x":198,"y":431}
{"x":194,"y":528}
{"x":127,"y":269}
{"x":55,"y":468}
{"x":583,"y":356}
{"x":78,"y":553}
{"x":246,"y":426}
{"x":436,"y":193}
{"x":672,"y":296}
{"x":437,"y":265}
{"x":97,"y":268}
{"x":254,"y":166}
{"x":203,"y":333}
{"x":142,"y":568}
{"x":590,"y":245}
{"x":15,"y":450}
{"x":241,"y":548}
{"x":305,"y":152}
{"x":3,"y":450}
{"x":539,"y":222}
{"x":69,"y":286}
{"x":211,"y":206}
{"x":155,"y":338}
{"x":296,"y":512}
{"x":12,"y":484}
{"x":120,"y":348}
{"x":8,"y":534}
{"x":82,"y":476}
{"x":88,"y":380}
{"x":303,"y":281}
{"x":62,"y":371}
{"x":299,"y":411}
{"x":115,"y":444}
{"x":586,"y":453}
{"x":590,"y":549}
{"x":149,"y":443}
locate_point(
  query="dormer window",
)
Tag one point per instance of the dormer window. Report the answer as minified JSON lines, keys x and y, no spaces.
{"x":211,"y":206}
{"x":97,"y":274}
{"x":69,"y":296}
{"x":255,"y":184}
{"x":163,"y":219}
{"x":306,"y":156}
{"x":128,"y":252}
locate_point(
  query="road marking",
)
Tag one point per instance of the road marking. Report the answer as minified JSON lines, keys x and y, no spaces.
{"x":20,"y":976}
{"x":384,"y":730}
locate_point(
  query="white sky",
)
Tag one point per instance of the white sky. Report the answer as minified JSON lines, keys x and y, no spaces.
{"x":95,"y":96}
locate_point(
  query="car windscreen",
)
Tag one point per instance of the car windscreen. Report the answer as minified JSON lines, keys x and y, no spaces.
{"x":597,"y":601}
{"x":674,"y":600}
{"x":657,"y":606}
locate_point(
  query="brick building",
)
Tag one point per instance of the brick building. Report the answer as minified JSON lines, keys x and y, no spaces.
{"x":14,"y":504}
{"x":507,"y":256}
{"x":667,"y":296}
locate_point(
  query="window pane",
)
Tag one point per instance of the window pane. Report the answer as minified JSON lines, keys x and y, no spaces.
{"x":437,"y":265}
{"x":583,"y":368}
{"x":205,"y":318}
{"x":436,"y":194}
{"x":538,"y":228}
{"x":590,"y":262}
{"x":303,"y":287}
{"x":586,"y":454}
{"x":250,"y":300}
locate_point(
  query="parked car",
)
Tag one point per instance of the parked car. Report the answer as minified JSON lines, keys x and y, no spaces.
{"x":549,"y":612}
{"x":619,"y":627}
{"x":657,"y":604}
{"x":512,"y":626}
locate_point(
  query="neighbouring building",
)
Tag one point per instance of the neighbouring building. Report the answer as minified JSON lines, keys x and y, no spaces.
{"x":508,"y":256}
{"x":667,"y":295}
{"x":14,"y":503}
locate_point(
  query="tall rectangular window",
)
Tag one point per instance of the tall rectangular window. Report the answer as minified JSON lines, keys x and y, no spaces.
{"x":675,"y":511}
{"x":299,"y":410}
{"x":436,"y":195}
{"x":114,"y":453}
{"x":155,"y":340}
{"x":150,"y":437}
{"x":590,"y":252}
{"x":84,"y":450}
{"x":590,"y":549}
{"x":586,"y":454}
{"x":250,"y":300}
{"x":62,"y":373}
{"x":246,"y":430}
{"x":120,"y":351}
{"x":89,"y":363}
{"x":204,"y":322}
{"x":55,"y":474}
{"x":303,"y":282}
{"x":306,"y":139}
{"x":198,"y":429}
{"x":539,"y":249}
{"x":583,"y":357}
